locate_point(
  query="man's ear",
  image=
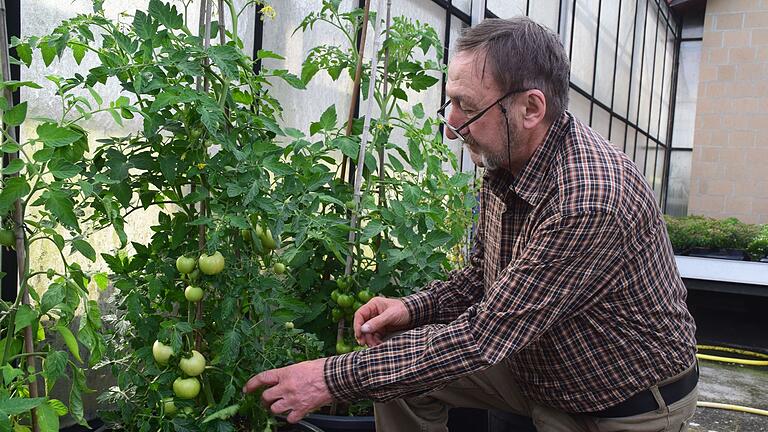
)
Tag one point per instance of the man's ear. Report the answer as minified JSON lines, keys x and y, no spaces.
{"x":535,"y":105}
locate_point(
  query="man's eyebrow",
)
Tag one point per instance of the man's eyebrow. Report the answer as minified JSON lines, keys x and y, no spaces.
{"x":462,"y":100}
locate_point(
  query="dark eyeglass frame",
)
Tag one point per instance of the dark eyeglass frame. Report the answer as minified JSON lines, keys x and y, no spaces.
{"x":474,"y":118}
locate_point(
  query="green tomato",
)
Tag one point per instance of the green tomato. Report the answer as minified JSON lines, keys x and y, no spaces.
{"x":194,"y":275}
{"x":169,"y":408}
{"x":185,"y":265}
{"x":342,"y":283}
{"x":278,"y":268}
{"x":195,"y":133}
{"x":356,"y":305}
{"x":364,"y":296}
{"x":350,"y":205}
{"x":259,"y":230}
{"x":337,"y":314}
{"x":193,"y":294}
{"x":267,"y":240}
{"x":345,"y":301}
{"x":335,"y":295}
{"x":342,"y":348}
{"x":193,"y":366}
{"x":246,"y":234}
{"x":161,"y":352}
{"x":186,"y":388}
{"x":7,"y":238}
{"x":211,"y":264}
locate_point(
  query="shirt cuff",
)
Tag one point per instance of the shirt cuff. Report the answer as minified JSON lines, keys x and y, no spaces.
{"x":340,"y":373}
{"x":420,"y":308}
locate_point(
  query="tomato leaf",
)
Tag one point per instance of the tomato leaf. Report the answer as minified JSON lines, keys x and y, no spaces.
{"x":69,"y":340}
{"x":54,"y":136}
{"x":62,"y":206}
{"x":16,"y":406}
{"x":16,"y":115}
{"x":84,"y":248}
{"x":25,"y":316}
{"x":53,"y":368}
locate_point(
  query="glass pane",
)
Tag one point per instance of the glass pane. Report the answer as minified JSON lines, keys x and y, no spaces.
{"x":618,"y":133}
{"x":624,"y":58}
{"x":545,"y":12}
{"x":650,"y":161}
{"x":629,"y":142}
{"x":687,"y":88}
{"x":606,"y":51}
{"x":463,"y":5}
{"x":678,"y":189}
{"x":434,"y":15}
{"x":279,"y":37}
{"x":601,"y":121}
{"x":584,"y":39}
{"x":667,"y":93}
{"x":658,"y":79}
{"x":640,"y":150}
{"x":658,"y":176}
{"x":578,"y":105}
{"x":648,"y":66}
{"x":635,"y":70}
{"x":507,"y":8}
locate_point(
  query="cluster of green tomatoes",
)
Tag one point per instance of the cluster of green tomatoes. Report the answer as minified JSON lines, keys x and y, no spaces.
{"x":187,"y":386}
{"x":345,"y":302}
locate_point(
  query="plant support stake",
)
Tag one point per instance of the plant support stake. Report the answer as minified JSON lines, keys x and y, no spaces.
{"x":18,"y":216}
{"x":356,"y":84}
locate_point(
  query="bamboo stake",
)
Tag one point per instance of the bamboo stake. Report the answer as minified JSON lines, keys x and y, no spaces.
{"x":208,"y":5}
{"x":363,"y":144}
{"x":382,"y":200}
{"x":360,"y":160}
{"x":356,"y":83}
{"x":21,"y":256}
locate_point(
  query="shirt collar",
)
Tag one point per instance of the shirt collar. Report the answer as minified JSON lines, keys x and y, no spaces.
{"x":528,"y":185}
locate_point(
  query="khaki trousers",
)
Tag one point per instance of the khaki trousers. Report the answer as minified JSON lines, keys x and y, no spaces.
{"x":494,"y":388}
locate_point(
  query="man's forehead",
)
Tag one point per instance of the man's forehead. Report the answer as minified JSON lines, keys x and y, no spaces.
{"x":469,"y":70}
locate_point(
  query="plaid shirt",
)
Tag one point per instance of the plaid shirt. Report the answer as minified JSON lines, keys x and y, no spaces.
{"x":572,"y":281}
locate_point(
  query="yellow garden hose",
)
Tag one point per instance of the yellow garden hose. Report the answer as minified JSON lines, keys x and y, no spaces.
{"x":732,"y":407}
{"x":735,"y":360}
{"x":732,"y":359}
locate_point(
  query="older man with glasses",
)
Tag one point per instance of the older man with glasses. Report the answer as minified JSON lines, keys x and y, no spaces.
{"x":571,"y":310}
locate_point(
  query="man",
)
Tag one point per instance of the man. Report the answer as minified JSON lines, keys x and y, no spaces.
{"x":571,"y":311}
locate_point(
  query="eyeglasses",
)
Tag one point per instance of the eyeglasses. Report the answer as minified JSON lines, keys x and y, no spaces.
{"x":456,"y":130}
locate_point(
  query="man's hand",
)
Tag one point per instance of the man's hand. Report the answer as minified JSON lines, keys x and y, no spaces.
{"x":378,"y":318}
{"x":297,"y":389}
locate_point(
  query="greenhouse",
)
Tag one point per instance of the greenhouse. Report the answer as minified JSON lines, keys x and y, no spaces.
{"x":384,"y":215}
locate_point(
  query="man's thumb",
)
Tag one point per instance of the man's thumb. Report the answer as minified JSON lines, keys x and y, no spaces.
{"x":373,"y":324}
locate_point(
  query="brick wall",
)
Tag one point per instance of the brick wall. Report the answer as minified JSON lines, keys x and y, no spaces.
{"x":729,"y":172}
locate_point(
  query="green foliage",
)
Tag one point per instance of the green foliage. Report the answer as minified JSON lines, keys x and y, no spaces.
{"x":413,"y":215}
{"x":212,"y":160}
{"x":691,"y":232}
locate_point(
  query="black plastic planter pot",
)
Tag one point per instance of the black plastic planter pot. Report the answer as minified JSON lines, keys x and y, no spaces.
{"x":729,"y":254}
{"x":98,"y":426}
{"x":459,"y":420}
{"x":329,"y":423}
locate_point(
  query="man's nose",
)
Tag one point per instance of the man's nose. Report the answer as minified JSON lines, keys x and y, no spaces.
{"x":454,"y":119}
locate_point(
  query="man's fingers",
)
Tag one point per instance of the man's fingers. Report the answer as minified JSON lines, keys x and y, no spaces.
{"x":270,"y":395}
{"x":295,"y":415}
{"x":266,"y":378}
{"x":279,"y":407}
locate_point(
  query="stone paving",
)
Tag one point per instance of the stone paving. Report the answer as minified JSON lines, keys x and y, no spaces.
{"x":731,"y":384}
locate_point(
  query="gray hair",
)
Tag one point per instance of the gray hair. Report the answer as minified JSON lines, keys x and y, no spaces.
{"x":522,"y":54}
